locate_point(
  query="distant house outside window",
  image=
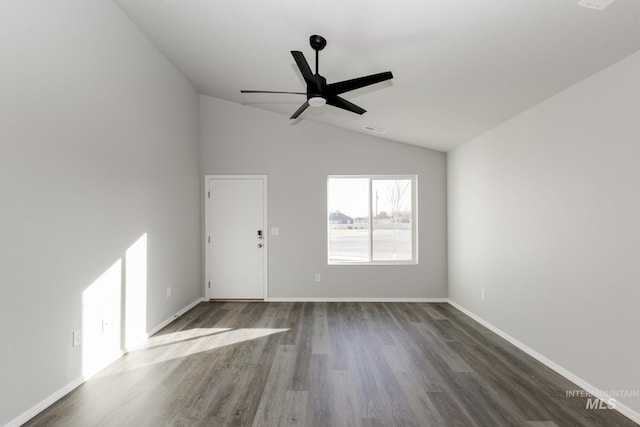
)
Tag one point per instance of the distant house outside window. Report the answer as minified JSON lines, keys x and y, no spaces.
{"x":372,"y":219}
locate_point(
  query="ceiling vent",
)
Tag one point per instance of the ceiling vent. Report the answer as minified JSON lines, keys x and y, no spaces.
{"x":595,"y":4}
{"x":374,"y":129}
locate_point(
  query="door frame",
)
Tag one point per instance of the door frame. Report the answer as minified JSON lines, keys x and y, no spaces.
{"x":207,"y":228}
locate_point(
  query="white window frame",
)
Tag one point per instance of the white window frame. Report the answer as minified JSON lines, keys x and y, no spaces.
{"x":414,"y":220}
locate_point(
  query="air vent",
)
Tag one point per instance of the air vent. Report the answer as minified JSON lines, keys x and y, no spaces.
{"x":595,"y":4}
{"x":374,"y":129}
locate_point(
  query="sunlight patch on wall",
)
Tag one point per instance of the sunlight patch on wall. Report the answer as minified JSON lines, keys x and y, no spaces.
{"x":101,"y":324}
{"x":114,"y":310}
{"x":135,"y":319}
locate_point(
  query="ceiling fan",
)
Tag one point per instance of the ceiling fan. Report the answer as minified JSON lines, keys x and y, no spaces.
{"x":318,"y":91}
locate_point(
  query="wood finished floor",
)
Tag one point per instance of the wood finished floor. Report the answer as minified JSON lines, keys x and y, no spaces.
{"x":326,"y":364}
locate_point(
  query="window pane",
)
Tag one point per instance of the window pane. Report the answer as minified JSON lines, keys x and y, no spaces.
{"x":348,"y":202}
{"x":392,"y":227}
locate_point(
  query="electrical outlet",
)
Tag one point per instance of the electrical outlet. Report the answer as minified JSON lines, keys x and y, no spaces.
{"x":317,"y":277}
{"x":77,"y":338}
{"x":168,"y":292}
{"x":483,"y":293}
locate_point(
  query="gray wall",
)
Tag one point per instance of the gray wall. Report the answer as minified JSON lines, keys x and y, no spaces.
{"x":98,"y":147}
{"x":544,"y":214}
{"x":297,"y":157}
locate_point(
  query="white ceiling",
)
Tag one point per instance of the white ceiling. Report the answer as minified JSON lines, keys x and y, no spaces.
{"x":461,"y":67}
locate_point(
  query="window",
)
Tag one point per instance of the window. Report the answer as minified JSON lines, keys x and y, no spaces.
{"x":372,"y":219}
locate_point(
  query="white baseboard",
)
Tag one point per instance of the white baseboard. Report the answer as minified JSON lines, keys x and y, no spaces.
{"x":158,"y":327}
{"x":59,"y":394}
{"x":44,"y":404}
{"x":164,"y":323}
{"x":623,"y":409}
{"x":323,"y":299}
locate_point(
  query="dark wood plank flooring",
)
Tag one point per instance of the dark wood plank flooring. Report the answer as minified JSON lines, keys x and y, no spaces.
{"x":326,"y":364}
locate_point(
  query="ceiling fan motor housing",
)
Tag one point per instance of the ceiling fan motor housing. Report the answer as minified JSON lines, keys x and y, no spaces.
{"x":315,"y":88}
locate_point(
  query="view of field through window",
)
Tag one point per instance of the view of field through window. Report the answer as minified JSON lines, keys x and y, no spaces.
{"x":370,"y":219}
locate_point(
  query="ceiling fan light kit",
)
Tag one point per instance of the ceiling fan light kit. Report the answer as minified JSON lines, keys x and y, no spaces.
{"x":318,"y":91}
{"x":317,"y":101}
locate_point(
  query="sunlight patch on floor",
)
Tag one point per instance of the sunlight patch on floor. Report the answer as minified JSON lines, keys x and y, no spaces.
{"x":176,"y":345}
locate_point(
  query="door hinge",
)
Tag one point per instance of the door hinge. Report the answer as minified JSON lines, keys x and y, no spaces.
{"x":208,"y":194}
{"x":209,"y":239}
{"x":209,"y":285}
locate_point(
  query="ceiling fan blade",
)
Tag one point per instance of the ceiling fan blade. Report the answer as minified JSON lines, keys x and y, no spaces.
{"x":348,"y":85}
{"x":300,"y":110}
{"x":303,"y":65}
{"x":339,"y":102}
{"x":270,"y":91}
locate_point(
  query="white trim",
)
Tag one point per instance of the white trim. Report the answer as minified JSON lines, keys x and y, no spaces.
{"x":62,"y":392}
{"x":356,"y":299}
{"x":162,"y":324}
{"x":168,"y":320}
{"x":207,"y":226}
{"x":594,"y":391}
{"x":44,"y":404}
{"x":207,"y":198}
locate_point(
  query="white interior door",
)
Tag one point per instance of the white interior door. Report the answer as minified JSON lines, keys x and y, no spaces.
{"x":236,"y":238}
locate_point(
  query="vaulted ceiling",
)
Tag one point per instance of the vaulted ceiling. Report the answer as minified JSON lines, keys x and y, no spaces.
{"x":461,"y":67}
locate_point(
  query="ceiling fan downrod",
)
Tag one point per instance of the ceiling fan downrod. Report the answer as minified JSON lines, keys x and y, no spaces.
{"x":317,"y":43}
